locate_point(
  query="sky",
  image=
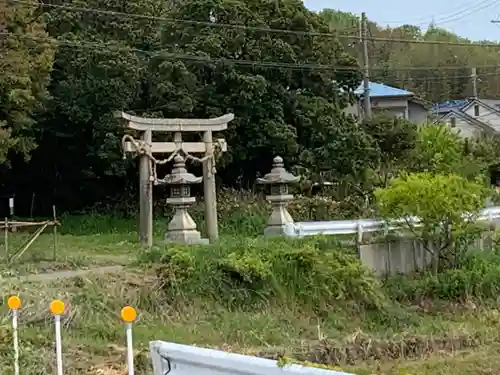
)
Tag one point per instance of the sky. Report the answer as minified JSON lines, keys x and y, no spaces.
{"x":469,"y":19}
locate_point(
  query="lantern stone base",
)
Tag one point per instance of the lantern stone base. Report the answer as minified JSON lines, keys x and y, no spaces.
{"x":279,"y":217}
{"x":186,"y":237}
{"x":182,"y":228}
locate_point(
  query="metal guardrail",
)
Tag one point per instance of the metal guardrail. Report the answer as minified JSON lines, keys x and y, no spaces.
{"x":339,"y":227}
{"x":176,"y":359}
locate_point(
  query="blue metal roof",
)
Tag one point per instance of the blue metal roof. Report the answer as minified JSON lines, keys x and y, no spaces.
{"x":379,"y":90}
{"x":449,"y":105}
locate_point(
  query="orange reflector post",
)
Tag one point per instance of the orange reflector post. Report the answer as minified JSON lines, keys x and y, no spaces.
{"x":57,"y":307}
{"x":14,"y":302}
{"x":128,"y":314}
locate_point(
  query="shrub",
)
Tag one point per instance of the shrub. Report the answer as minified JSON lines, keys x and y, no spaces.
{"x":254,"y":272}
{"x":478,"y":276}
{"x":440,"y":202}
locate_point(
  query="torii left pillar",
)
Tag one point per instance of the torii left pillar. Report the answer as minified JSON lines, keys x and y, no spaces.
{"x":146,"y":194}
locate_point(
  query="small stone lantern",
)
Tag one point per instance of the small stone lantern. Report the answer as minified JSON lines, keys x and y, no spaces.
{"x":278,"y":180}
{"x":182,"y":228}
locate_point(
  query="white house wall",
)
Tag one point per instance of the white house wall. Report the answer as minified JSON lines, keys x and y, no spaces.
{"x":397,"y":107}
{"x":486,"y":115}
{"x":392,"y":111}
{"x":464,"y":128}
{"x":417,"y":113}
{"x":389,"y":102}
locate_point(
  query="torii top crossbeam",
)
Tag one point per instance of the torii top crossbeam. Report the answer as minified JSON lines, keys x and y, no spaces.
{"x":176,"y":124}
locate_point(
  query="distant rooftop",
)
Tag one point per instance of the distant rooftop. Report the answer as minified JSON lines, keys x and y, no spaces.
{"x":381,"y":90}
{"x":449,"y":105}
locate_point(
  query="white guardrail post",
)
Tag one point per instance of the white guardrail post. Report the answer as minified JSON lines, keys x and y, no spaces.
{"x":175,"y":359}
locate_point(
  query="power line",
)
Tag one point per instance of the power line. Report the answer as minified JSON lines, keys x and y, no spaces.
{"x":103,"y":48}
{"x":439,"y":78}
{"x":420,"y":20}
{"x":430,"y":42}
{"x":474,"y":8}
{"x":251,"y":28}
{"x":106,"y":49}
{"x":175,"y":20}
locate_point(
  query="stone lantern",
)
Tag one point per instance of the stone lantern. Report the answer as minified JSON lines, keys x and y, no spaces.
{"x":182,"y":228}
{"x":278,"y":180}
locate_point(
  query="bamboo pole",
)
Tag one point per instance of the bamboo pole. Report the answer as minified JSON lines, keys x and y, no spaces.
{"x":30,"y":242}
{"x":54,"y":232}
{"x":6,"y":238}
{"x":22,"y":224}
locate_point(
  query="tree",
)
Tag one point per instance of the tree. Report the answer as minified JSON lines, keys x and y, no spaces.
{"x":295,"y":112}
{"x":187,"y":70}
{"x":483,"y":153}
{"x":438,"y":150}
{"x":440,"y":201}
{"x":25,"y":64}
{"x":98,"y":70}
{"x":387,"y":147}
{"x":394,"y":139}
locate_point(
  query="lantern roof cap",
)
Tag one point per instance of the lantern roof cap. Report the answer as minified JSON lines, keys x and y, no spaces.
{"x":278,"y":174}
{"x":180,"y":175}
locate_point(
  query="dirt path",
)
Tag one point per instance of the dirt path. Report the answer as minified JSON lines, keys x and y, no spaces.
{"x":52,"y":276}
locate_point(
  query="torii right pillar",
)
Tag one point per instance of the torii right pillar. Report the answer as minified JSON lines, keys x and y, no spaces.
{"x":209,"y":188}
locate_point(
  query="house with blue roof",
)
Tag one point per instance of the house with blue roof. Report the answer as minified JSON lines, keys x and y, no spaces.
{"x":391,"y":100}
{"x":470,"y":116}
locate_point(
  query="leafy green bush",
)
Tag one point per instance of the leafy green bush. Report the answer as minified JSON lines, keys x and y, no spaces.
{"x":478,"y":276}
{"x":252,"y":272}
{"x":440,"y":202}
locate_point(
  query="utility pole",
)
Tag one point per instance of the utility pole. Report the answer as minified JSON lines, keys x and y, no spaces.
{"x":497,"y":21}
{"x":474,"y":82}
{"x":366,"y":67}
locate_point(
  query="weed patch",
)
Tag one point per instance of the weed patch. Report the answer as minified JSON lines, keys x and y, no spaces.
{"x":255,"y":272}
{"x":476,"y":277}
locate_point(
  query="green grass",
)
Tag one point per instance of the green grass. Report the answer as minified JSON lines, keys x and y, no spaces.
{"x":305,"y":299}
{"x":74,"y":250}
{"x":93,"y":334}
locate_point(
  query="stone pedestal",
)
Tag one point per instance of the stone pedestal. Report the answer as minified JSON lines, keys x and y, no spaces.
{"x":182,"y":228}
{"x":279,"y":215}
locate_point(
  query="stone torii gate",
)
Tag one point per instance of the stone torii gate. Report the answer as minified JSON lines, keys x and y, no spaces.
{"x":146,"y":148}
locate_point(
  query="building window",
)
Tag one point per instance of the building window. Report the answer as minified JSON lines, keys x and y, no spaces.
{"x":453,"y":122}
{"x":476,"y":110}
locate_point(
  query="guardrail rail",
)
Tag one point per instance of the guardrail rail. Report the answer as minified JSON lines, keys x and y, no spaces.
{"x":175,"y":359}
{"x":339,"y":227}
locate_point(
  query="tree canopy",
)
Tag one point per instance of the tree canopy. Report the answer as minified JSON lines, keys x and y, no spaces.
{"x":108,"y":62}
{"x":64,"y":71}
{"x":277,"y":110}
{"x":25,"y":67}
